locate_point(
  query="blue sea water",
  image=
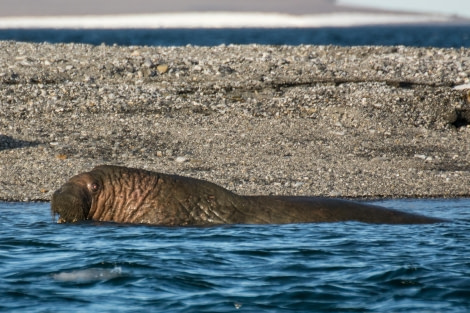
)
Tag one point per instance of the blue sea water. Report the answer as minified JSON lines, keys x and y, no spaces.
{"x":328,"y":267}
{"x":448,"y":36}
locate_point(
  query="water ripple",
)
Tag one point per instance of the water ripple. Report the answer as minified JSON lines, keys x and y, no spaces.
{"x":337,"y":267}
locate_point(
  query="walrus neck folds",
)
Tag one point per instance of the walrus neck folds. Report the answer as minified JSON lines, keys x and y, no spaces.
{"x":122,"y":195}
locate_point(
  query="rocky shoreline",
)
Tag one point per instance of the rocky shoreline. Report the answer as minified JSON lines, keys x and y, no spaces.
{"x":296,"y":120}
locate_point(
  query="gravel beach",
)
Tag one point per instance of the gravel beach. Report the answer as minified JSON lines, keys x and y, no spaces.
{"x":362,"y":122}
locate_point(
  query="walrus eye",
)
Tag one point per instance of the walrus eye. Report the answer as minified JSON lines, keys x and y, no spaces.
{"x":94,"y":187}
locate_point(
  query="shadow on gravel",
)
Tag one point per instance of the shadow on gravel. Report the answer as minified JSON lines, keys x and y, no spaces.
{"x":462,"y":118}
{"x":7,"y":142}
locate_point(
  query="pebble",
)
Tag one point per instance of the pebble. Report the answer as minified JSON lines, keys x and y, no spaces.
{"x":162,"y":68}
{"x":462,"y":87}
{"x":181,"y":159}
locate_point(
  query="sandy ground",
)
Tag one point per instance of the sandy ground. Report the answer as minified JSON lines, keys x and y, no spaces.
{"x":304,"y":120}
{"x":60,"y":7}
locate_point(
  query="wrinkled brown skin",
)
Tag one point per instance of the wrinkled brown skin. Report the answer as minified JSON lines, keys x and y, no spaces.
{"x":127,"y":195}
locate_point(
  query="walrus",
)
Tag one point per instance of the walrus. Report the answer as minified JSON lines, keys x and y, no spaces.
{"x":129,"y":195}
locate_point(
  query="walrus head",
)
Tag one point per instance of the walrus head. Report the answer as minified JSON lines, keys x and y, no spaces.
{"x":73,"y":200}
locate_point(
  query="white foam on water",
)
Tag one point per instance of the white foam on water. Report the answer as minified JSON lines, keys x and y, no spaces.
{"x":217,"y":20}
{"x":88,"y":275}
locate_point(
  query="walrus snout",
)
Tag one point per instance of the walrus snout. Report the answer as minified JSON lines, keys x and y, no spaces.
{"x":71,"y":202}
